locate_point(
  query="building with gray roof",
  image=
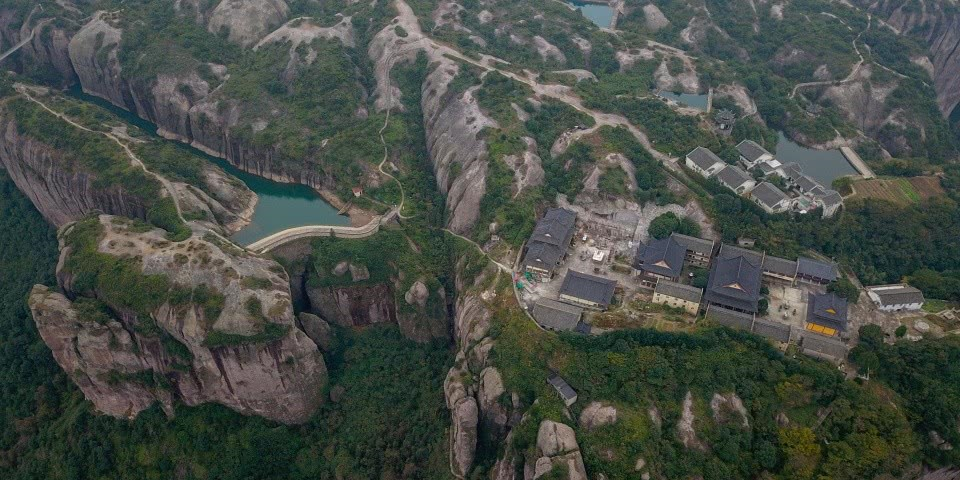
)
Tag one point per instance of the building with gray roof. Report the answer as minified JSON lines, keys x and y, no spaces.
{"x":830,"y":201}
{"x":549,"y":242}
{"x":827,"y":314}
{"x":660,"y":259}
{"x":704,"y":162}
{"x":698,"y":250}
{"x":806,"y":184}
{"x":734,"y":284}
{"x":770,"y":198}
{"x":678,"y":295}
{"x":816,"y":271}
{"x":792,"y":171}
{"x":779,"y":268}
{"x":566,"y":392}
{"x":732,"y":251}
{"x":587,"y":290}
{"x":736,"y":179}
{"x":896,"y":297}
{"x":557,"y":316}
{"x":824,"y":348}
{"x":752,"y":153}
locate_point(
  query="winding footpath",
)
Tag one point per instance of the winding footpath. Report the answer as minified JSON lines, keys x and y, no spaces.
{"x":134,"y":159}
{"x":853,"y":73}
{"x":30,"y":36}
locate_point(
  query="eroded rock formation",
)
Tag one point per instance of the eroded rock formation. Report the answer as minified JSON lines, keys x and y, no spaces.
{"x":237,"y":345}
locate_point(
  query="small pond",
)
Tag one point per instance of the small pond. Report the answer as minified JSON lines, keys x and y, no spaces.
{"x":692,"y":100}
{"x":599,"y":13}
{"x":281,"y":205}
{"x":822,"y":165}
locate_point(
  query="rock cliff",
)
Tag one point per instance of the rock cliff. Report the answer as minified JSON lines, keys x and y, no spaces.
{"x":360,"y":303}
{"x":61,"y":195}
{"x":212,"y":324}
{"x":65,"y":191}
{"x":937,"y":24}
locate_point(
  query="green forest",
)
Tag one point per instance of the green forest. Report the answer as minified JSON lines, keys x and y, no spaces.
{"x":389,"y":423}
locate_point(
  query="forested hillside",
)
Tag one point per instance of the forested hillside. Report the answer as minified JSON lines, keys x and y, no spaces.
{"x":388,"y":419}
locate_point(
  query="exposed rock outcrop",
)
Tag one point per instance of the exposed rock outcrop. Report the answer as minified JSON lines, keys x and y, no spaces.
{"x":556,"y":448}
{"x":685,"y":427}
{"x":939,"y":27}
{"x":317,"y":329}
{"x":597,"y":414}
{"x":354,"y":305}
{"x":247,"y":21}
{"x":245,"y":352}
{"x":62,"y":194}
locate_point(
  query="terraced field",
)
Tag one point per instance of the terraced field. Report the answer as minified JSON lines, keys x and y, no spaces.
{"x":900,"y":191}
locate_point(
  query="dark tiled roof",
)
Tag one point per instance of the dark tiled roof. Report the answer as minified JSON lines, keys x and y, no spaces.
{"x":556,"y":315}
{"x":768,"y":194}
{"x":562,"y":387}
{"x":555,"y":228}
{"x":733,"y":176}
{"x":583,"y":328}
{"x":817,"y":269}
{"x":822,"y":347}
{"x":772,"y":330}
{"x":734,"y":282}
{"x":663,"y":257}
{"x":751,"y":151}
{"x":829,"y":310}
{"x":694,"y":244}
{"x":730,"y":318}
{"x":792,"y":170}
{"x":766,"y":168}
{"x":542,"y":255}
{"x":896,"y":294}
{"x":679,"y":290}
{"x":550,"y":238}
{"x":780,"y":266}
{"x":831,"y":198}
{"x":806,"y":183}
{"x":588,"y":287}
{"x":732,"y":251}
{"x":703,"y":158}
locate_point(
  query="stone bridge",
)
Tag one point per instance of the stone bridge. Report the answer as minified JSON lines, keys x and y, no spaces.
{"x":266,"y":244}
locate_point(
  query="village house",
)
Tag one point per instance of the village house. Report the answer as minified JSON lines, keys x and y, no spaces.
{"x":699,"y":251}
{"x":752,"y":154}
{"x":896,"y":297}
{"x":736,"y":179}
{"x":660,"y":259}
{"x":566,"y":392}
{"x":815,"y":271}
{"x":770,"y":198}
{"x":587,"y":290}
{"x":678,"y":295}
{"x":830,"y":201}
{"x":556,"y":316}
{"x":549,"y":242}
{"x":827,"y":315}
{"x":704,"y":162}
{"x":734,"y":281}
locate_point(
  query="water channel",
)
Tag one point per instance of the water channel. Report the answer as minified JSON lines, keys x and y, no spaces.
{"x":822,"y":165}
{"x":280,"y":206}
{"x":599,"y":13}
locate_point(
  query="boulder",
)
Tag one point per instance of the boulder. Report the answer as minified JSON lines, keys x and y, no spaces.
{"x":317,"y":329}
{"x":597,"y":414}
{"x":417,"y":294}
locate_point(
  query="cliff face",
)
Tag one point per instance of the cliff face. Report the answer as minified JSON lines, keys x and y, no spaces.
{"x":939,"y":28}
{"x":363,"y":304}
{"x":64,"y":194}
{"x":230,"y":339}
{"x":61,"y":195}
